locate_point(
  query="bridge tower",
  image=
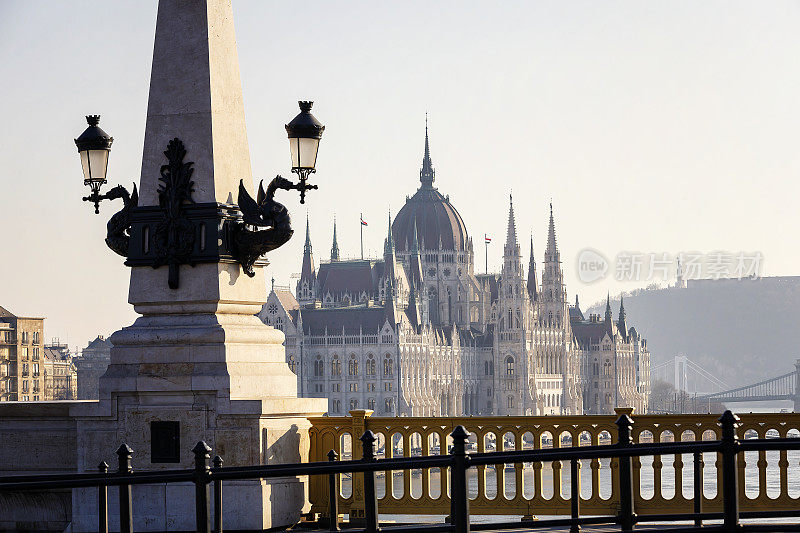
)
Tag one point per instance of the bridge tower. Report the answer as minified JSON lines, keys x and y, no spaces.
{"x":681,"y":384}
{"x":797,"y":386}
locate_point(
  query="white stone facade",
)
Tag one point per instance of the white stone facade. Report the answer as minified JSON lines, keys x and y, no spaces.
{"x":418,"y":333}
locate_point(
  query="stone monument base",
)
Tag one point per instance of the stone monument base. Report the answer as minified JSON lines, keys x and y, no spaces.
{"x":244,"y":433}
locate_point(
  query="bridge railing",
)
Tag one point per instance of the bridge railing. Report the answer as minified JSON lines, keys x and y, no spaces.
{"x":457,"y":463}
{"x":661,"y":482}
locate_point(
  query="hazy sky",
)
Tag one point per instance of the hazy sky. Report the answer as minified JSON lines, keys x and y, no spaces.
{"x":653,"y":126}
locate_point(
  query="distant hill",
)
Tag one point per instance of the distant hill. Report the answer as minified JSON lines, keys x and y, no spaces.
{"x":740,"y":330}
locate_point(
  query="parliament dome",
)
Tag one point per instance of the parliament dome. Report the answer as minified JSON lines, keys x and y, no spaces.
{"x":435,"y":218}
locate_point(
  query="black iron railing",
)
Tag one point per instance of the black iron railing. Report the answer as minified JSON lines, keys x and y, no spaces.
{"x":459,"y":462}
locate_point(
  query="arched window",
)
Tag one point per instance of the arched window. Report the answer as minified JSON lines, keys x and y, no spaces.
{"x":336,"y":366}
{"x":388,"y":405}
{"x":353,"y":404}
{"x":336,"y":406}
{"x":509,"y":366}
{"x":279,"y":323}
{"x":352,"y":365}
{"x":371,"y":403}
{"x":292,"y":364}
{"x":486,"y":368}
{"x":510,"y":402}
{"x":491,"y":368}
{"x":510,"y":318}
{"x":370,"y":366}
{"x":319,"y":367}
{"x":388,"y":369}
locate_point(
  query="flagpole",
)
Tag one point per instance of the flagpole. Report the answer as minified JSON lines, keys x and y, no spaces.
{"x":361,"y":228}
{"x":486,"y":249}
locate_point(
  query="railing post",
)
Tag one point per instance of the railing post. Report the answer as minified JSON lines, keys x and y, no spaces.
{"x":370,"y":497}
{"x":698,"y":488}
{"x":358,"y":427}
{"x":459,"y":499}
{"x":217,"y":497}
{"x":730,"y":482}
{"x":333,"y":495}
{"x":202,"y":456}
{"x":575,"y":494}
{"x":124,"y":453}
{"x":102,"y":501}
{"x":627,"y":517}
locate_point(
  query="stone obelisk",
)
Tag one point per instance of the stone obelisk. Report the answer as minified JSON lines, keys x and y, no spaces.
{"x":197,"y":364}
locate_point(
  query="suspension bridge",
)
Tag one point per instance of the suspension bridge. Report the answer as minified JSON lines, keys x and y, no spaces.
{"x":689,"y":378}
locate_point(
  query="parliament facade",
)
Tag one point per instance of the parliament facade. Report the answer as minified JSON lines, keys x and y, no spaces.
{"x":420,"y":333}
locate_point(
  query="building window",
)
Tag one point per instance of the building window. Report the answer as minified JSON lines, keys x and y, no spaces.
{"x":279,"y":323}
{"x":354,"y":387}
{"x":336,"y":366}
{"x":491,"y":368}
{"x":510,"y":402}
{"x":388,"y":405}
{"x":293,"y":364}
{"x":489,"y":392}
{"x":352,"y":365}
{"x":387,"y":386}
{"x":387,"y":365}
{"x":371,"y":403}
{"x":319,"y":367}
{"x":370,"y":387}
{"x":370,"y":365}
{"x":272,"y":309}
{"x":509,"y":366}
{"x":336,"y":406}
{"x":353,"y":404}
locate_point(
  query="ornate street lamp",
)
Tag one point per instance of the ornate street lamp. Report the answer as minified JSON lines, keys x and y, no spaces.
{"x":304,"y":132}
{"x":177,"y":231}
{"x":93,"y":146}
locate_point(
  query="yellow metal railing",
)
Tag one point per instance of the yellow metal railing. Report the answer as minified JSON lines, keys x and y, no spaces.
{"x":662,"y":484}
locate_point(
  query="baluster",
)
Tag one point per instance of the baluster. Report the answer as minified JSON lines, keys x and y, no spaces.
{"x":575,"y":494}
{"x":426,"y":473}
{"x":677,"y":466}
{"x":370,"y":498}
{"x":627,"y":516}
{"x":407,"y":474}
{"x":762,"y":473}
{"x":783,"y":469}
{"x":500,"y":469}
{"x":519,"y":494}
{"x":537,"y":469}
{"x":698,"y":488}
{"x":443,"y":477}
{"x":658,"y":466}
{"x":481,"y":468}
{"x":730,"y":481}
{"x":125,"y":453}
{"x":217,"y":497}
{"x":202,"y":456}
{"x":333,"y":496}
{"x":388,"y":475}
{"x":557,"y":465}
{"x":459,"y":500}
{"x":102,"y":501}
{"x":594,"y":465}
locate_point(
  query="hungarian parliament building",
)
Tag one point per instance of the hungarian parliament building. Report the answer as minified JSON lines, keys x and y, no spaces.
{"x":419,"y":333}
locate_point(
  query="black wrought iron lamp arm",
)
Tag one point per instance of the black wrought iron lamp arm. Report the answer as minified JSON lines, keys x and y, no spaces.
{"x":116,"y":192}
{"x":303,"y":173}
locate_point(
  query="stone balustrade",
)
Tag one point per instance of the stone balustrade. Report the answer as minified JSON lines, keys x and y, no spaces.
{"x":662,"y":484}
